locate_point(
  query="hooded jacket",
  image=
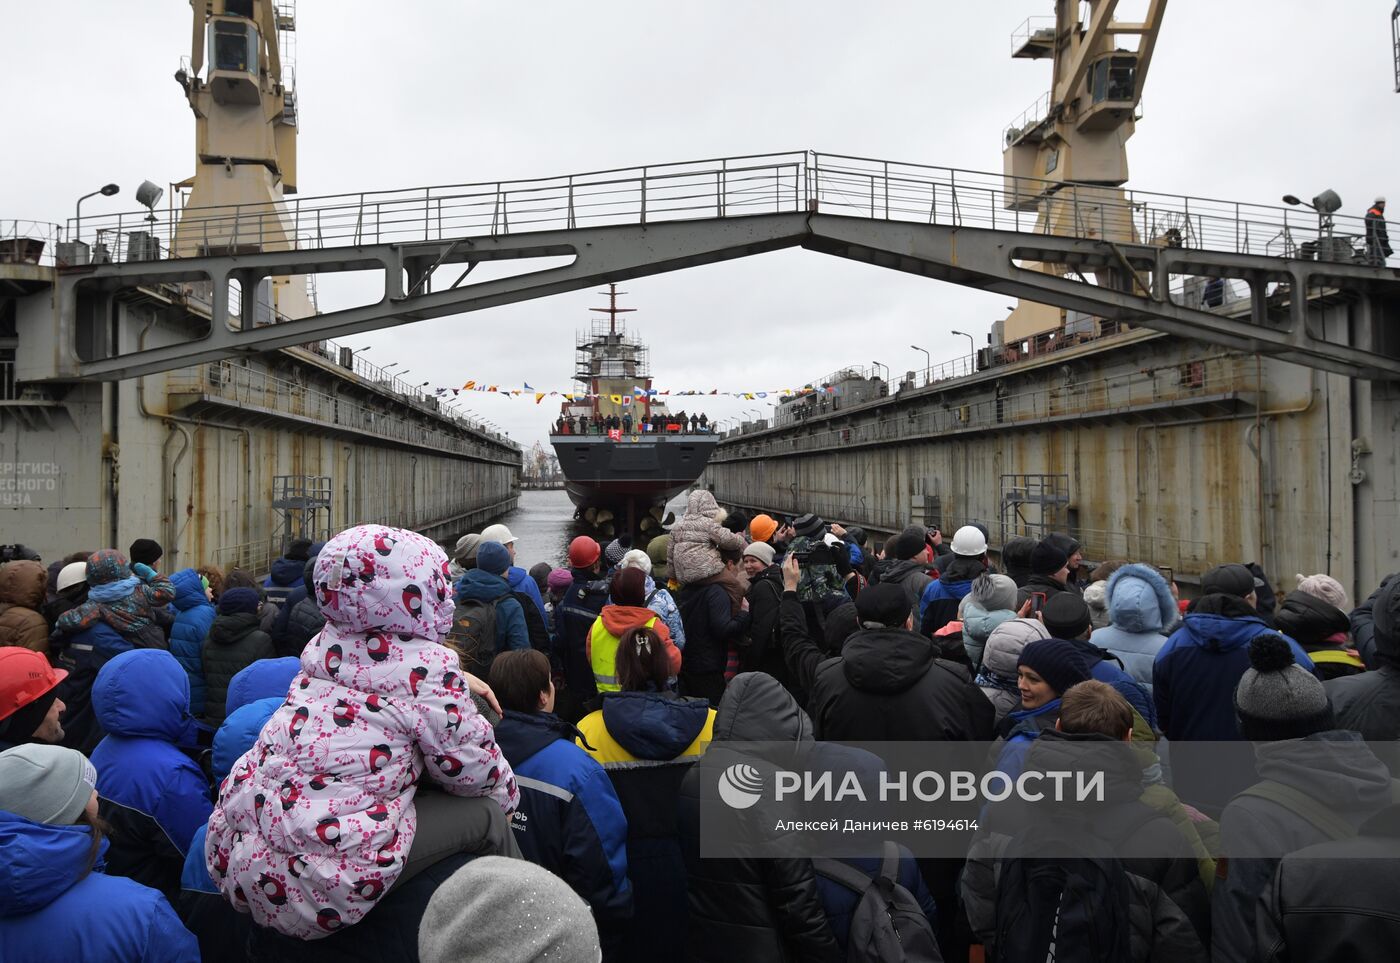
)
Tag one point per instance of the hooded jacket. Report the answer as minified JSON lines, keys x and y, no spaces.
{"x":1369,"y":703}
{"x":23,"y":586}
{"x":194,"y":615}
{"x":299,"y":618}
{"x":1322,"y":630}
{"x":51,"y":908}
{"x":908,"y":574}
{"x":378,"y":707}
{"x":764,"y":653}
{"x":747,"y":908}
{"x":1169,"y":910}
{"x":938,"y":603}
{"x":663,"y":603}
{"x":286,"y":574}
{"x":997,"y":679}
{"x":569,"y":820}
{"x":697,"y":538}
{"x":521,"y":583}
{"x":153,"y":795}
{"x":1336,"y":769}
{"x":1140,"y":607}
{"x":84,"y":654}
{"x":977,"y":626}
{"x":511,"y":631}
{"x":235,"y":642}
{"x":646,"y":742}
{"x":710,"y":626}
{"x":1046,"y":585}
{"x":1335,"y":900}
{"x":607,"y":631}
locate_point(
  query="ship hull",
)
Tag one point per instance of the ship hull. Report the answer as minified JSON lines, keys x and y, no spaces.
{"x":629,"y":476}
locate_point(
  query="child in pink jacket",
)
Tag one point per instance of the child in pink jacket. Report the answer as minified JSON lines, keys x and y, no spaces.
{"x":317,"y":820}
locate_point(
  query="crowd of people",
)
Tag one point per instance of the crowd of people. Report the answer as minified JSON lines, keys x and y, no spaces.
{"x":627,"y":423}
{"x":389,"y":750}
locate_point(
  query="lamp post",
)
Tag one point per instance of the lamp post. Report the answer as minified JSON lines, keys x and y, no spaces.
{"x":971,"y":343}
{"x":877,"y":364}
{"x":928,"y":360}
{"x":391,"y":364}
{"x":107,"y":190}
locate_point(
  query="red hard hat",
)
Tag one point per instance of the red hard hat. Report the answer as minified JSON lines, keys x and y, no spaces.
{"x":25,"y":675}
{"x":583,"y":552}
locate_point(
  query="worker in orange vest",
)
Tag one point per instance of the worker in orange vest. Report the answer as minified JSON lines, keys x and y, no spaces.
{"x":1377,"y":238}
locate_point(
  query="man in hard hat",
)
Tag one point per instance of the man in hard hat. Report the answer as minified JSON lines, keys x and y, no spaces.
{"x":938,"y":603}
{"x":29,"y":703}
{"x":1377,"y":238}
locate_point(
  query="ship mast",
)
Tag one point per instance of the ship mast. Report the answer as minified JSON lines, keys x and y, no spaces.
{"x":612,"y":311}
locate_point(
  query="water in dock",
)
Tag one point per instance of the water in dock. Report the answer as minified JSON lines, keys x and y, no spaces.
{"x":544,"y":524}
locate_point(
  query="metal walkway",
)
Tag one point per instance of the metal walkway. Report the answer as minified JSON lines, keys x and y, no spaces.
{"x":954,"y":225}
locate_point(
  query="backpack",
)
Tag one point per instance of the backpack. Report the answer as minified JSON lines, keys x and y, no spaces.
{"x":1057,"y":908}
{"x":1307,"y":808}
{"x":473,"y":635}
{"x":887,"y":923}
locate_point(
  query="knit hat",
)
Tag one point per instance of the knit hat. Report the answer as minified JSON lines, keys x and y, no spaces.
{"x":560,"y":579}
{"x":638,"y":559}
{"x":1047,"y":558}
{"x":147,"y":551}
{"x":994,"y":592}
{"x":507,"y":911}
{"x":629,"y":587}
{"x":1016,"y":557}
{"x":1058,"y":662}
{"x":1066,"y":615}
{"x":885,"y":603}
{"x":107,"y":565}
{"x":1096,"y":597}
{"x":466,"y":547}
{"x":1233,"y":579}
{"x":492,"y":558}
{"x":907,"y":544}
{"x":762,"y":528}
{"x":857,"y":536}
{"x":299,"y":549}
{"x":808,"y":525}
{"x":497,"y":533}
{"x":1325,"y":587}
{"x":1278,"y":699}
{"x":583,"y":552}
{"x":74,"y":573}
{"x":239,"y":600}
{"x":656,"y":551}
{"x":761,"y":551}
{"x":46,"y":784}
{"x":614,"y":552}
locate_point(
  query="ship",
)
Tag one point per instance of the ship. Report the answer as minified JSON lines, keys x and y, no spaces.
{"x":621,"y":477}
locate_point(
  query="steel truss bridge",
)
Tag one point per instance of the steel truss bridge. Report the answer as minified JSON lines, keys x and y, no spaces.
{"x":953,"y":225}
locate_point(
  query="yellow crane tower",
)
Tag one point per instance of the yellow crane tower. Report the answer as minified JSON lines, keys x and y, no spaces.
{"x":1078,"y":132}
{"x":245,"y":108}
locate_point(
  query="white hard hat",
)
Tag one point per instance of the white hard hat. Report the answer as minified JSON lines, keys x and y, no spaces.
{"x":1380,"y":199}
{"x":71,"y":574}
{"x":969,"y":541}
{"x":497,"y":533}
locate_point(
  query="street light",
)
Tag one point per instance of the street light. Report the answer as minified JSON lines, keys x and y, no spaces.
{"x":928,"y":360}
{"x":885,"y":366}
{"x":971,"y":343}
{"x":391,"y":364}
{"x":107,"y":190}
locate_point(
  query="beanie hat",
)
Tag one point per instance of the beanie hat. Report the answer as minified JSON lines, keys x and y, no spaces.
{"x":1016,"y":557}
{"x":614,"y":552}
{"x":583,"y":552}
{"x":994,"y":592}
{"x":507,"y":911}
{"x":107,"y":565}
{"x":1278,"y":699}
{"x":1047,"y":558}
{"x":857,"y":536}
{"x":46,"y":784}
{"x":1057,"y":661}
{"x":74,"y":573}
{"x":492,"y":558}
{"x":808,"y":525}
{"x":299,"y":549}
{"x":761,"y":551}
{"x":239,"y":600}
{"x":466,"y":547}
{"x":638,"y":559}
{"x":1233,"y":579}
{"x":146,"y":551}
{"x":560,"y":579}
{"x":1066,"y":615}
{"x":907,"y":544}
{"x":1325,"y":587}
{"x":1096,"y":597}
{"x":886,"y":604}
{"x":762,"y":528}
{"x":629,"y":587}
{"x":656,"y":551}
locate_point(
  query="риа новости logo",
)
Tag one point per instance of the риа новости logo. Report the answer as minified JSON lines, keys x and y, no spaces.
{"x":740,"y":786}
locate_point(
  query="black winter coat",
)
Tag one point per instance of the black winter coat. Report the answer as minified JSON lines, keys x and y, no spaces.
{"x":297,"y":623}
{"x":886,"y":685}
{"x":234,"y":643}
{"x":1045,"y":584}
{"x":710,"y":626}
{"x":764,"y":653}
{"x":1311,"y":622}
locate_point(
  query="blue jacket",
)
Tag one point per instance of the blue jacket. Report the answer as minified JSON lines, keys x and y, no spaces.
{"x":1024,"y":727}
{"x":194,"y":613}
{"x":154,"y":795}
{"x":287,"y":573}
{"x":83,"y":656}
{"x":1140,"y":609}
{"x":51,"y":910}
{"x":511,"y":631}
{"x":520,"y":581}
{"x":263,"y":679}
{"x":569,"y":821}
{"x":1103,"y":668}
{"x":945,"y":591}
{"x":1196,"y":671}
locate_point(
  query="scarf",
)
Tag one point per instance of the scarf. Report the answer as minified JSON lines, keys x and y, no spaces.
{"x":988,"y":679}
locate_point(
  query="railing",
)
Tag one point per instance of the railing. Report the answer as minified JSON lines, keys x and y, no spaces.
{"x":28,"y":242}
{"x":727,"y":187}
{"x":1040,"y":28}
{"x":1028,"y":119}
{"x":232,"y":382}
{"x":1222,"y":375}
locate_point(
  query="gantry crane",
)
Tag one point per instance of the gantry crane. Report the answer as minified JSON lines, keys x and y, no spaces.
{"x":1079,"y":131}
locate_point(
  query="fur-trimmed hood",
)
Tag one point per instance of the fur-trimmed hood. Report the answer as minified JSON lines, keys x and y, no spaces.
{"x":1139,"y":600}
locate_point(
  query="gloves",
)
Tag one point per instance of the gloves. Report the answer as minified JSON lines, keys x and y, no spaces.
{"x":143,"y":571}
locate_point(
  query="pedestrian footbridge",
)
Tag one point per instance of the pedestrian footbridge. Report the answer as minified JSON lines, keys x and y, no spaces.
{"x":1128,"y":256}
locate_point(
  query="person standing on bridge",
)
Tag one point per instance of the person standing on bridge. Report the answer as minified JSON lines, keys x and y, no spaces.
{"x":1377,"y":237}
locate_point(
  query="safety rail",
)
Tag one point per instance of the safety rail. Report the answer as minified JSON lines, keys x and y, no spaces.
{"x":1028,"y":119}
{"x":802,"y":181}
{"x":1039,"y":28}
{"x":232,"y":382}
{"x":28,"y":242}
{"x":1210,"y":378}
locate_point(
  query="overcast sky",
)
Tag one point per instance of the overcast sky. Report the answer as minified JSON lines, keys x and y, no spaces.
{"x":1246,"y":100}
